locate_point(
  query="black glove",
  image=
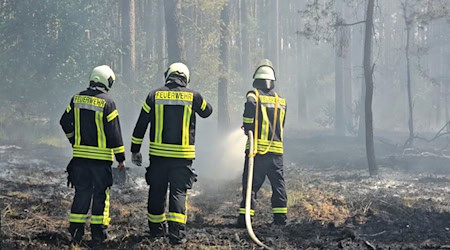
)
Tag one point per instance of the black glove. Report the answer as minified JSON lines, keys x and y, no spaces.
{"x":69,"y":171}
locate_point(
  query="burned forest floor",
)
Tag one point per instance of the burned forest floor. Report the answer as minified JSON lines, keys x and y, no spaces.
{"x":332,"y":201}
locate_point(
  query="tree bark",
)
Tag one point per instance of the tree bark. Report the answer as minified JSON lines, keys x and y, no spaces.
{"x":368,"y":75}
{"x":128,"y":41}
{"x":223,"y":113}
{"x":339,"y":121}
{"x":245,"y":61}
{"x":174,"y":35}
{"x":408,"y":24}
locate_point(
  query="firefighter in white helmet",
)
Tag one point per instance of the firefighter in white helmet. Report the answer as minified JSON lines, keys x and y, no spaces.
{"x":91,"y":123}
{"x":171,"y":110}
{"x":264,"y":114}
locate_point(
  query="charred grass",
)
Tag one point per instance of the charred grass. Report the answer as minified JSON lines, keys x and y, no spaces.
{"x":333,"y":204}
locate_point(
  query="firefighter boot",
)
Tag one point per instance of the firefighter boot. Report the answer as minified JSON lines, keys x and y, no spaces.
{"x":177,"y":233}
{"x":279,"y":219}
{"x":157,"y":229}
{"x":98,"y":233}
{"x":241,"y":221}
{"x":76,"y":230}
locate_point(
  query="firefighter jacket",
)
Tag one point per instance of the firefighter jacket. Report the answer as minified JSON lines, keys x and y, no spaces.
{"x":261,"y":107}
{"x":91,"y":123}
{"x":171,"y":112}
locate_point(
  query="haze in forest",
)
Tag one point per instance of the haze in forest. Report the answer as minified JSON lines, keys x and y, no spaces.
{"x":48,"y":49}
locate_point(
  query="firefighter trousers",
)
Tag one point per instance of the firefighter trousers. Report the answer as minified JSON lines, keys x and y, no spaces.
{"x":178,"y":176}
{"x":270,"y":165}
{"x":92,"y":180}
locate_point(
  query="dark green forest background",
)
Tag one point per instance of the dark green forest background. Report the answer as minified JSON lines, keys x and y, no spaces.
{"x":48,"y":48}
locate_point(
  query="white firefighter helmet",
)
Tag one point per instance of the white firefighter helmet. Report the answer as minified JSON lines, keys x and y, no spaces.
{"x":103,"y":75}
{"x":264,"y":70}
{"x":179,"y":69}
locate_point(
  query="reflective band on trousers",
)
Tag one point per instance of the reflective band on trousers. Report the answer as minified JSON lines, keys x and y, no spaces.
{"x":279,"y":210}
{"x":242,"y":211}
{"x":156,"y":218}
{"x":77,"y":218}
{"x":177,"y":217}
{"x":97,"y":219}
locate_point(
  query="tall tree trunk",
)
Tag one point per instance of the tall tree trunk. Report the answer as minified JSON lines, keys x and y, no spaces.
{"x":174,"y":35}
{"x":368,"y":75}
{"x":348,"y":76}
{"x":408,"y":24}
{"x":223,"y":114}
{"x":129,"y":40}
{"x":246,"y":65}
{"x":160,"y":48}
{"x":276,"y":43}
{"x":339,"y":122}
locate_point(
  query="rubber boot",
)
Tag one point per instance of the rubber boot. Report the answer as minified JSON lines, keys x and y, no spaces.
{"x":177,"y":233}
{"x":279,"y":219}
{"x":157,"y":229}
{"x":76,"y":230}
{"x":99,"y":234}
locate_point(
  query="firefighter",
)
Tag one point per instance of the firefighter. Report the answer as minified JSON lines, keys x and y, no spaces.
{"x":91,"y":123}
{"x":264,"y":114}
{"x":171,"y":112}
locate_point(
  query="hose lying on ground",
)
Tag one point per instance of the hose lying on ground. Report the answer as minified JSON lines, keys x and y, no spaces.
{"x":248,"y":195}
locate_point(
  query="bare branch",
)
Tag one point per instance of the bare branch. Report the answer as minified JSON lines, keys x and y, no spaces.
{"x":348,"y":24}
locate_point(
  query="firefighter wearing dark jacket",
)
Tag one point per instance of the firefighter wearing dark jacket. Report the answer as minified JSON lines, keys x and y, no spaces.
{"x":264,"y":114}
{"x":91,"y":123}
{"x":171,"y":112}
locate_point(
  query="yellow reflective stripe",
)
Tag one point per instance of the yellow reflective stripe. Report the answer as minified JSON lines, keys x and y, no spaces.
{"x":159,"y":122}
{"x":279,"y":210}
{"x":91,"y":152}
{"x":186,"y":122}
{"x":101,"y":137}
{"x":146,"y":107}
{"x":77,"y":218}
{"x":106,"y":218}
{"x":77,"y":126}
{"x":275,"y":147}
{"x":177,"y":217}
{"x":136,"y":140}
{"x":248,"y":119}
{"x":252,"y":96}
{"x":112,"y":115}
{"x":156,"y":218}
{"x":171,"y":154}
{"x":68,"y":109}
{"x":120,"y":149}
{"x":172,"y":147}
{"x":265,"y":124}
{"x":203,"y":107}
{"x":96,"y":219}
{"x":70,"y":135}
{"x":282,"y":114}
{"x":242,"y":211}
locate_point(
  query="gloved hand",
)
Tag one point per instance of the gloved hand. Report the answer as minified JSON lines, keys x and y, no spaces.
{"x":136,"y":159}
{"x":121,"y":165}
{"x":69,"y":170}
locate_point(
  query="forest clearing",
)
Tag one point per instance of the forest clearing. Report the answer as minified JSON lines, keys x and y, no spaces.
{"x":332,"y":204}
